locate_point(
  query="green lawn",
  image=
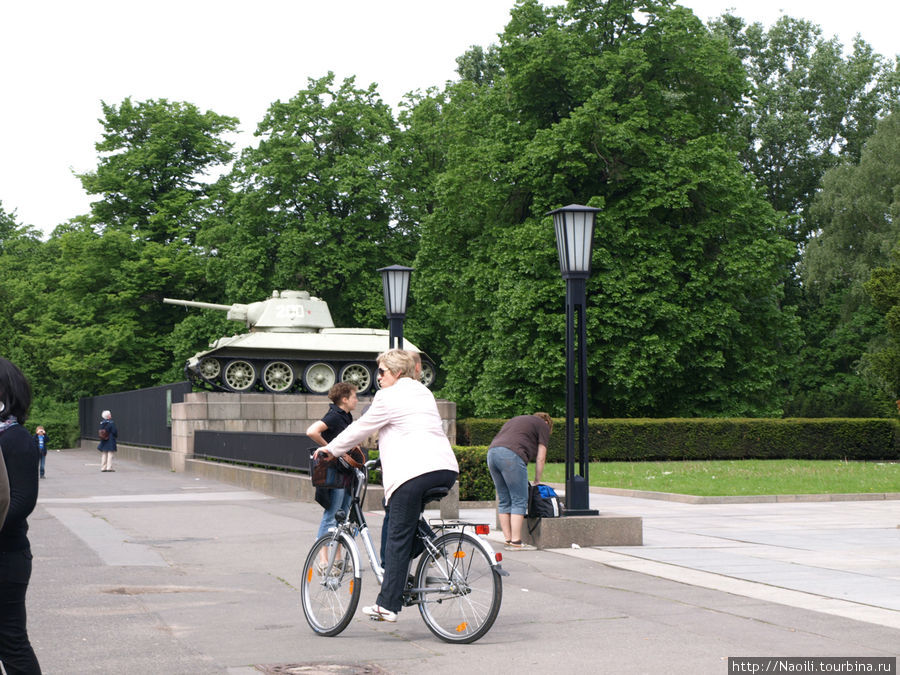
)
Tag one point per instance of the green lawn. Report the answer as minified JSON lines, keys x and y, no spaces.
{"x":740,"y":477}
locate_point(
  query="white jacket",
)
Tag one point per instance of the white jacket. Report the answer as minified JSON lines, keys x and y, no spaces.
{"x":411,"y":438}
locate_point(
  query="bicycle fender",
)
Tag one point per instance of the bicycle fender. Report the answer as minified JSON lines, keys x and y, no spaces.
{"x":351,"y":546}
{"x":485,"y":545}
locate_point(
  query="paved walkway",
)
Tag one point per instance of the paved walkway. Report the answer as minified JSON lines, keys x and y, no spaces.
{"x":842,"y":558}
{"x":149,"y":571}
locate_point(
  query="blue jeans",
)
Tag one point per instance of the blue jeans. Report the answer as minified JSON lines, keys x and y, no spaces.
{"x":43,"y":461}
{"x":340,"y":501}
{"x":510,"y":474}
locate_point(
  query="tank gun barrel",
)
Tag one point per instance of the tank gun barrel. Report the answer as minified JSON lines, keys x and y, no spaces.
{"x":194,"y":303}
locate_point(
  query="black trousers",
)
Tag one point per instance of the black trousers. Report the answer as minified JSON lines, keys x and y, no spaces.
{"x":16,"y":653}
{"x":405,"y":507}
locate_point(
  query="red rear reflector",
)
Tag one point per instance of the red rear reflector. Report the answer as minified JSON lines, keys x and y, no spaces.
{"x":482,"y":529}
{"x":498,"y":556}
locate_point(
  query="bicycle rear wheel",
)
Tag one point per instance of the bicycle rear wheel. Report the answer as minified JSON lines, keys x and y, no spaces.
{"x":329,"y":594}
{"x":462,"y":592}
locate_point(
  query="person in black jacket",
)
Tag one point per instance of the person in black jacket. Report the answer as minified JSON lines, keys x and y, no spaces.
{"x":21,"y":458}
{"x":107,"y":446}
{"x":4,"y":489}
{"x":343,"y":403}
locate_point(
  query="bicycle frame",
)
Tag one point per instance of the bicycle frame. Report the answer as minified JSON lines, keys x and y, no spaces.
{"x":426,"y":530}
{"x":457,"y":583}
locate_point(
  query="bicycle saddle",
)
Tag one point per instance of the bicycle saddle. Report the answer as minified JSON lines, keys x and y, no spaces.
{"x":434,"y":494}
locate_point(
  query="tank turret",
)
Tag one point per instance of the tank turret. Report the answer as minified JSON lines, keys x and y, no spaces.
{"x":292,"y":346}
{"x":285,"y":312}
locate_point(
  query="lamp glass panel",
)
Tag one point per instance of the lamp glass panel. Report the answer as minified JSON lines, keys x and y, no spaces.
{"x":574,"y":240}
{"x":396,"y":286}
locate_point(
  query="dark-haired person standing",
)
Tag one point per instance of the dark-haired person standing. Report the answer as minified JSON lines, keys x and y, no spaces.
{"x":21,"y":458}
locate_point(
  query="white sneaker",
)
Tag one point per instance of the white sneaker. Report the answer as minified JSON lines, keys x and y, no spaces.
{"x":377,"y":613}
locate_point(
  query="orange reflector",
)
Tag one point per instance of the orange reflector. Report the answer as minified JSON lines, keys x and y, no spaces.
{"x":459,"y":554}
{"x":462,"y":628}
{"x":350,"y":586}
{"x":309,"y":575}
{"x":482,"y":529}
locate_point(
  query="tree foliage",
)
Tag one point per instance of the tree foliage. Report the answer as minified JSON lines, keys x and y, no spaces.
{"x":596,"y":106}
{"x":715,"y":154}
{"x":856,"y":215}
{"x":313,"y":204}
{"x":152,"y":176}
{"x":809,"y":106}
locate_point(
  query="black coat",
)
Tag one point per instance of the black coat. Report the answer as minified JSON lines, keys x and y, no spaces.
{"x":109,"y":445}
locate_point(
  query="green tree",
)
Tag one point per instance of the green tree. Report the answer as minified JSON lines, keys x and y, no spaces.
{"x":101,"y":325}
{"x":314,"y":205}
{"x":20,"y":259}
{"x":883,"y":361}
{"x":856,"y":218}
{"x":809,"y":106}
{"x":153,"y":173}
{"x":633,"y":112}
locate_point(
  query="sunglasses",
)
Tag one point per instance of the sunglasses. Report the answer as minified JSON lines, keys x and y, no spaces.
{"x":381,"y":372}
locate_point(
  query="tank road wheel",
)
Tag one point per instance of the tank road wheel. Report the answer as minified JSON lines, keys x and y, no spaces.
{"x":209,"y":368}
{"x":428,"y":373}
{"x":357,"y":375}
{"x":240,"y":375}
{"x":277,"y":376}
{"x":319,"y":377}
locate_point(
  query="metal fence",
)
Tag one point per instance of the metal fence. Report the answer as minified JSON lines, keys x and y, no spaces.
{"x":286,"y":451}
{"x":143,"y":416}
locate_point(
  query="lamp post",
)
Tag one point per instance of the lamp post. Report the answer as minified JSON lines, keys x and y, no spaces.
{"x":574,"y":225}
{"x":395,"y":280}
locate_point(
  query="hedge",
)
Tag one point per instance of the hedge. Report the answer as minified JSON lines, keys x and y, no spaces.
{"x":629,"y":440}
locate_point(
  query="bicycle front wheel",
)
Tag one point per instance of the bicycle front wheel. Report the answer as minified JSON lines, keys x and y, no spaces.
{"x":330,"y":585}
{"x":461,"y":593}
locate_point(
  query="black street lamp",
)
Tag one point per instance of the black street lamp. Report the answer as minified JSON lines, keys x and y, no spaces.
{"x":574,"y":227}
{"x":395,"y":280}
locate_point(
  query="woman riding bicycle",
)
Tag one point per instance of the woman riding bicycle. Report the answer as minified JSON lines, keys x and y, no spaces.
{"x":415,"y":456}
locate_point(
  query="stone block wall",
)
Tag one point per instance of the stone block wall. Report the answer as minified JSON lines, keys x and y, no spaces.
{"x":278,"y":413}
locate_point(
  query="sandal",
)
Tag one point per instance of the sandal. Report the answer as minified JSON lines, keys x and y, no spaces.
{"x":519,"y":546}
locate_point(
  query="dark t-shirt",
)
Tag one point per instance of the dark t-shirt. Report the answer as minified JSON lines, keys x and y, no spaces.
{"x":336,"y":420}
{"x":522,"y":435}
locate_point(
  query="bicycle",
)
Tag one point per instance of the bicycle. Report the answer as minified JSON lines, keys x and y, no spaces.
{"x":456,"y":586}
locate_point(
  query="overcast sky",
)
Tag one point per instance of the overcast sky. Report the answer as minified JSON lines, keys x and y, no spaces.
{"x":60,"y":58}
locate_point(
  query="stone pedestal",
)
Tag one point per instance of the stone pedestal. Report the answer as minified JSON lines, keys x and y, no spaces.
{"x":602,"y":530}
{"x":279,"y":413}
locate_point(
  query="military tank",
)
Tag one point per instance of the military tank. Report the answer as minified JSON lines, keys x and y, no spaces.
{"x":292,"y":346}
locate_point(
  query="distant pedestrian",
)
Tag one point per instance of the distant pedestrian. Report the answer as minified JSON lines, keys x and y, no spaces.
{"x":521,"y":440}
{"x":107,"y":445}
{"x":40,"y":438}
{"x":20,"y":458}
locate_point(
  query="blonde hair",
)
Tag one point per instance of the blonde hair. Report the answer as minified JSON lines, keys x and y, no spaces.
{"x":398,"y":361}
{"x":544,"y":416}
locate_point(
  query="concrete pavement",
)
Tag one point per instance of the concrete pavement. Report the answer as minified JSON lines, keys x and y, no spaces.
{"x":149,"y":571}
